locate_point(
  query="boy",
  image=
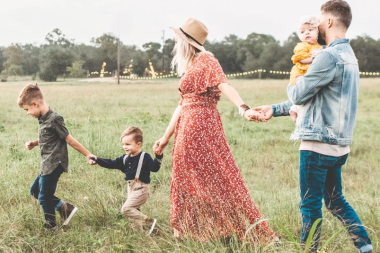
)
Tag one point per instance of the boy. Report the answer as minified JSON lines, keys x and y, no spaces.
{"x":136,"y":166}
{"x":53,"y":139}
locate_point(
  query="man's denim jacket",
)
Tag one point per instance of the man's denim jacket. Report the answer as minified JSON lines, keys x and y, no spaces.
{"x":328,"y":95}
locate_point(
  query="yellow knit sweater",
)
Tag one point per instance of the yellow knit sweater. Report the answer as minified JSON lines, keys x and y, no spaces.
{"x":302,"y":51}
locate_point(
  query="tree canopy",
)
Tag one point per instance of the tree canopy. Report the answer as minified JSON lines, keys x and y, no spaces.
{"x":61,"y":55}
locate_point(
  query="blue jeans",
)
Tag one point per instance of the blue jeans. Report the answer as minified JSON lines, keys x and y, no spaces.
{"x":320,"y":178}
{"x":43,"y":189}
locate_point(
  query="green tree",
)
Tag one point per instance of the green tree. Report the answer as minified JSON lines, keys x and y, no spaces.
{"x":228,"y":52}
{"x":2,"y":59}
{"x":31,"y":54}
{"x":152,"y":50}
{"x":90,"y":56}
{"x":107,"y":45}
{"x":284,"y":59}
{"x":57,"y":38}
{"x":367,"y":51}
{"x":131,"y":55}
{"x":53,"y":62}
{"x":168,"y":53}
{"x":76,"y":69}
{"x":13,"y":64}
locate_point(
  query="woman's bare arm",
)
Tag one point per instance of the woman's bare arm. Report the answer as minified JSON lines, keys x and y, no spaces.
{"x":235,"y":98}
{"x":160,"y":145}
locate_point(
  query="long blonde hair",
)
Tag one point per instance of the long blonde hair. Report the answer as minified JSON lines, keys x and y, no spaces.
{"x":184,"y":54}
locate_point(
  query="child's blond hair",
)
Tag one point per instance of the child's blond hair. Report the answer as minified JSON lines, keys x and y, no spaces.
{"x":135,"y":131}
{"x":28,"y":94}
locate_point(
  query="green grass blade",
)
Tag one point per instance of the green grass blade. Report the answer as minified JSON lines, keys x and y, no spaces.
{"x":311,"y":234}
{"x":287,"y":232}
{"x":253,"y":225}
{"x":334,"y":235}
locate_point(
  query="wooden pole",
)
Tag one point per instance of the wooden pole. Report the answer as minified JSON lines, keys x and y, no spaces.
{"x":163,"y":56}
{"x":118,"y":61}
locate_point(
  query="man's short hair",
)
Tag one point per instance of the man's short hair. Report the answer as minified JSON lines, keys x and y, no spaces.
{"x":135,"y":131}
{"x":28,"y":94}
{"x":340,"y":9}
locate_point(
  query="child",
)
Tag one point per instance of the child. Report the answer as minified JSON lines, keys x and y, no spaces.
{"x":53,"y":139}
{"x":304,"y":52}
{"x":136,"y":166}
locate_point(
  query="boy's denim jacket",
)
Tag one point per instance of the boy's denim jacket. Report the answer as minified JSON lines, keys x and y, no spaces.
{"x":328,"y":95}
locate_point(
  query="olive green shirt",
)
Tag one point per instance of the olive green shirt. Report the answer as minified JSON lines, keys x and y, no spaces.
{"x":53,"y":146}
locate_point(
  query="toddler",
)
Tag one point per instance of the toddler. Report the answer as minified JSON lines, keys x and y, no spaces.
{"x":136,"y":166}
{"x":304,"y":52}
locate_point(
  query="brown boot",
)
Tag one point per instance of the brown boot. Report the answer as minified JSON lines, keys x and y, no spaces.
{"x":67,"y":212}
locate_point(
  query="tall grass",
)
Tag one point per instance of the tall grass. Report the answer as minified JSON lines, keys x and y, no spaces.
{"x":96,"y":114}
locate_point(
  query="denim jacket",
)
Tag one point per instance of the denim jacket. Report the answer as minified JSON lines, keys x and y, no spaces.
{"x":328,"y":95}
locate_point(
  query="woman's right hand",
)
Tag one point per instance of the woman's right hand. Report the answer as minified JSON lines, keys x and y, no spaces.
{"x":253,"y":115}
{"x":160,"y":145}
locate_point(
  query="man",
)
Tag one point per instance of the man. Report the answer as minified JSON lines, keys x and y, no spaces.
{"x":328,"y":94}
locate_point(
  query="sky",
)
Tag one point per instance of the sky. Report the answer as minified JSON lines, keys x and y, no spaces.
{"x":141,"y":21}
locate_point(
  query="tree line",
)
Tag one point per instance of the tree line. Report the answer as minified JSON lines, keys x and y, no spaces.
{"x":59,"y":55}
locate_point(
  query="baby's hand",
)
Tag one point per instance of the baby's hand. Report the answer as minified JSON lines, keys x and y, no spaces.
{"x":293,"y":115}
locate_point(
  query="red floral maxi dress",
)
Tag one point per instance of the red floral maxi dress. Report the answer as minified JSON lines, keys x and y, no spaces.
{"x":209,"y":198}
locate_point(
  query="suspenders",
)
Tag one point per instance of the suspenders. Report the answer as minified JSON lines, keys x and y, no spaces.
{"x":138,"y":167}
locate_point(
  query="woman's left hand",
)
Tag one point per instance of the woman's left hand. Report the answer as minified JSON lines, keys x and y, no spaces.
{"x":160,"y":145}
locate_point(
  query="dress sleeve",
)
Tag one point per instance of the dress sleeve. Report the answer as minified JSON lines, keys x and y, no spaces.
{"x":301,"y":52}
{"x":209,"y":74}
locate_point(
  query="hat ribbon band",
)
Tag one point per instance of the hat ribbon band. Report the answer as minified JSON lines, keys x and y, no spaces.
{"x":187,"y":35}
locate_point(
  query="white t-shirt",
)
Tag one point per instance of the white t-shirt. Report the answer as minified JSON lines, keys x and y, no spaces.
{"x":324,"y":148}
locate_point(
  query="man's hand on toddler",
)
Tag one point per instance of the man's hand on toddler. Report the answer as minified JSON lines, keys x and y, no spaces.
{"x":293,"y":115}
{"x":91,"y":159}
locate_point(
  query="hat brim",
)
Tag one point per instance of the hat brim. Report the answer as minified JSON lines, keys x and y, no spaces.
{"x":191,"y":42}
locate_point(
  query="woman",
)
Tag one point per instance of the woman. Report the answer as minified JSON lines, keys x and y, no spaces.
{"x":209,"y":198}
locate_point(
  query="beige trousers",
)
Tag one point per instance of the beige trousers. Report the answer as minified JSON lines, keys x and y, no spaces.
{"x":138,"y":194}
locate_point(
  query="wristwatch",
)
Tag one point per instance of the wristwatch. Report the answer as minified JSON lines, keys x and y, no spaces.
{"x":242,"y":109}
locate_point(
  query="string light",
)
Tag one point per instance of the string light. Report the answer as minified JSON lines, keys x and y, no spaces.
{"x":172,"y":74}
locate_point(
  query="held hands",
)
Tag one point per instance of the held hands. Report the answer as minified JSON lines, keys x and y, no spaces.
{"x":253,"y":115}
{"x":91,"y":161}
{"x":265,"y":110}
{"x":160,"y":145}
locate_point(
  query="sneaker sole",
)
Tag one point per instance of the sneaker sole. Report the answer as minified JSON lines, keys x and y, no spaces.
{"x":70,"y":216}
{"x":151,"y":229}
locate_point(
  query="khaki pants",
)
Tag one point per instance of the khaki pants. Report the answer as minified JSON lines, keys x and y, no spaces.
{"x":138,"y":194}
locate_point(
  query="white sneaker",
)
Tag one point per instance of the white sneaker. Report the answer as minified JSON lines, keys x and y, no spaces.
{"x":152,"y":224}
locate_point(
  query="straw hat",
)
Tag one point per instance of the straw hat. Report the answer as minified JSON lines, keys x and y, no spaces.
{"x":193,"y":32}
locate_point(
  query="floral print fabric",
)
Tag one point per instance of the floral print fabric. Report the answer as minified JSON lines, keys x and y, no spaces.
{"x":209,"y":198}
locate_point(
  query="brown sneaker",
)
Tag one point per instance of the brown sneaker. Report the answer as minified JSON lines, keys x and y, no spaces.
{"x":67,"y":212}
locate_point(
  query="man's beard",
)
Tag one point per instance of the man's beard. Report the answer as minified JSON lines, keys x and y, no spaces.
{"x":322,"y":37}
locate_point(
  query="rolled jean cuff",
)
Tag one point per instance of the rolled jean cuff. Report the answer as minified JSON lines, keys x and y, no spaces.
{"x":366,"y":248}
{"x":60,"y":203}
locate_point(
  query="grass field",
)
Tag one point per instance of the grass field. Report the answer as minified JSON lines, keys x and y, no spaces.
{"x":96,"y":114}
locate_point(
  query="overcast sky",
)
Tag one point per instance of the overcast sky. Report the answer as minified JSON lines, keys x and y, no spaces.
{"x":140,"y":21}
